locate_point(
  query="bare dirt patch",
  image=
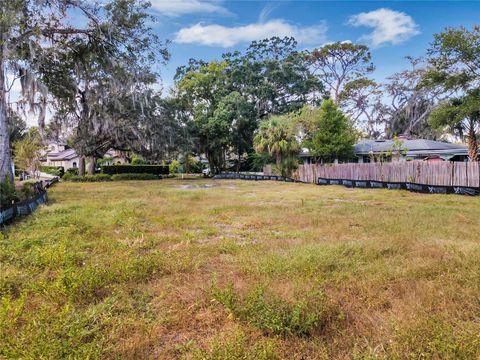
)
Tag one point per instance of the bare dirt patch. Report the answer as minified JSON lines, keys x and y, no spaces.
{"x":205,"y":186}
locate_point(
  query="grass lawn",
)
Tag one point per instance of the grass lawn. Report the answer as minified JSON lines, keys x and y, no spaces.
{"x":242,"y":270}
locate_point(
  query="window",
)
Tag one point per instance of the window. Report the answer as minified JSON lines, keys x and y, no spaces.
{"x":74,"y":164}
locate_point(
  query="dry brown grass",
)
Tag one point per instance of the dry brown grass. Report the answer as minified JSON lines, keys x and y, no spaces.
{"x":131,"y":269}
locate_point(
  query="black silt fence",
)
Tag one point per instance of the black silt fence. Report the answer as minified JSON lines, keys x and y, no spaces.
{"x":26,"y":207}
{"x":420,"y":188}
{"x":255,"y":177}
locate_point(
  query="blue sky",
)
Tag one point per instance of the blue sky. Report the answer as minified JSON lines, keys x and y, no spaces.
{"x":204,"y":29}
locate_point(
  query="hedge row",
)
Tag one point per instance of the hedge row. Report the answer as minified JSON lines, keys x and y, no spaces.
{"x":88,"y":178}
{"x":120,"y":177}
{"x":106,"y":177}
{"x":135,"y":169}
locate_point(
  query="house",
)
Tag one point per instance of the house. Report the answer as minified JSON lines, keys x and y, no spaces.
{"x":59,"y":154}
{"x":115,"y":157}
{"x":404,"y":149}
{"x":410,"y":149}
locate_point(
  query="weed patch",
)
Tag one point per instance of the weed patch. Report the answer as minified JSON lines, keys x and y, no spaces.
{"x":237,"y":347}
{"x":273,"y":315}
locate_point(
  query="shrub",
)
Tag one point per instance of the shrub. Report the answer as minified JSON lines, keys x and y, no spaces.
{"x":138,"y":160}
{"x":88,"y":178}
{"x":102,"y":177}
{"x":26,"y":191}
{"x":135,"y":169}
{"x":7,"y":193}
{"x":192,"y":166}
{"x":67,"y":176}
{"x":106,"y":177}
{"x":76,"y":178}
{"x":53,"y":170}
{"x":103,"y":161}
{"x":272,"y":314}
{"x":174,"y":166}
{"x":72,"y":171}
{"x":121,"y":177}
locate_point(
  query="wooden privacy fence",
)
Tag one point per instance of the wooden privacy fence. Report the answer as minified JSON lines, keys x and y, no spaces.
{"x":455,"y":174}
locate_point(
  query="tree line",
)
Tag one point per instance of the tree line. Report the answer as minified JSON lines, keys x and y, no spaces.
{"x":245,"y":109}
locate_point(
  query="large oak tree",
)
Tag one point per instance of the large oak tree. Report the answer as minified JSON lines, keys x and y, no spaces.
{"x":41,"y":47}
{"x":454,"y":60}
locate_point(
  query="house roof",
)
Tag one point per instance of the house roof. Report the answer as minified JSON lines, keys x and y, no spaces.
{"x":412,"y":147}
{"x":68,"y":154}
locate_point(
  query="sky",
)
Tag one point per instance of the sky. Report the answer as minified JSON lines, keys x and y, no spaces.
{"x":204,"y":29}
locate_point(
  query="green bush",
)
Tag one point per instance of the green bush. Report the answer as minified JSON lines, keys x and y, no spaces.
{"x":272,"y":314}
{"x":102,"y":177}
{"x":192,"y":166}
{"x":76,"y":178}
{"x":101,"y":162}
{"x":88,"y":178}
{"x":26,"y":191}
{"x":72,"y":171}
{"x":67,"y":176}
{"x":8,"y":193}
{"x":121,"y":177}
{"x":53,"y":170}
{"x":174,"y":166}
{"x":135,"y":169}
{"x":138,"y":160}
{"x":106,"y":177}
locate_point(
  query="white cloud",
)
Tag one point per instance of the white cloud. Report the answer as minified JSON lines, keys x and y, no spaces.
{"x":183,"y":7}
{"x":389,"y":26}
{"x":219,"y":35}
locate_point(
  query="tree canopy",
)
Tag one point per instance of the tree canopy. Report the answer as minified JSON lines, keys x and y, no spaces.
{"x":226,"y":99}
{"x":85,"y":69}
{"x":455,"y":67}
{"x":460,"y":116}
{"x":333,"y":136}
{"x":100,"y":81}
{"x":340,"y":63}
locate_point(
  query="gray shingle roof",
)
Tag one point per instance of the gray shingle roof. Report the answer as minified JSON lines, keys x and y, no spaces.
{"x":68,"y":154}
{"x":417,"y":145}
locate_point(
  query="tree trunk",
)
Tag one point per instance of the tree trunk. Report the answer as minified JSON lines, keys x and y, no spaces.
{"x":238,"y":160}
{"x":91,"y":165}
{"x":81,"y":166}
{"x":5,"y":156}
{"x":472,"y":142}
{"x":211,"y":164}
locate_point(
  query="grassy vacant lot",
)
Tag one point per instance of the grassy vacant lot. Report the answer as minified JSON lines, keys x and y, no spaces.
{"x":244,"y":270}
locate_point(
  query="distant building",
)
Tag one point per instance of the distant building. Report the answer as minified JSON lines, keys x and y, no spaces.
{"x":417,"y":149}
{"x":59,"y":154}
{"x":115,"y":157}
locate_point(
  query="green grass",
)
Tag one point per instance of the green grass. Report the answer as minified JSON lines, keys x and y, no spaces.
{"x":172,"y":269}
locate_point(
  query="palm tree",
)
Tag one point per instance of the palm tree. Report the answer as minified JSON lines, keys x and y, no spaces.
{"x":462,"y":117}
{"x":276,"y":136}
